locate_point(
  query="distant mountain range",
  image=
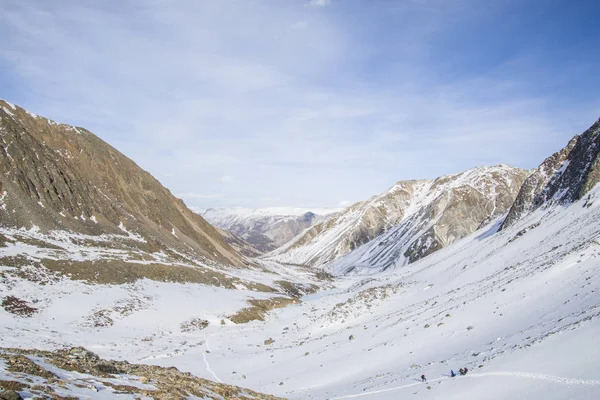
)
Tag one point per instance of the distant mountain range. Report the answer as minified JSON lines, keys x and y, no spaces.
{"x":266,"y":229}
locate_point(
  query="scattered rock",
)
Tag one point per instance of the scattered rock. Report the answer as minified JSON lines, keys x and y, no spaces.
{"x":107,"y":368}
{"x":83,"y":354}
{"x":12,"y":385}
{"x":10,"y":395}
{"x":16,"y":306}
{"x":20,"y":363}
{"x":168,"y":383}
{"x":195,"y":324}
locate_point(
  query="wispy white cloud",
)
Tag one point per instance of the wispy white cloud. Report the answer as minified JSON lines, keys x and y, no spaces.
{"x":295,"y":104}
{"x":226,"y":179}
{"x":319,"y":3}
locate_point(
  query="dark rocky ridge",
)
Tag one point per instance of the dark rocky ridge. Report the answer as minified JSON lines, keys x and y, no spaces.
{"x":566,"y":176}
{"x":58,"y":177}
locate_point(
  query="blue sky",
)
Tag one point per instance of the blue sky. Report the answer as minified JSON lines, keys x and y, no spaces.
{"x":307,"y":103}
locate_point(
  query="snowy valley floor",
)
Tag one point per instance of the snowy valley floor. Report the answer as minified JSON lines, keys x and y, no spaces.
{"x":520,"y":308}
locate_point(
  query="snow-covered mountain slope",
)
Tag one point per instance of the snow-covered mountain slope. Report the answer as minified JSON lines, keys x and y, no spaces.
{"x":266,"y":228}
{"x":407,"y":222}
{"x":56,"y":177}
{"x":563,"y":177}
{"x":520,"y":308}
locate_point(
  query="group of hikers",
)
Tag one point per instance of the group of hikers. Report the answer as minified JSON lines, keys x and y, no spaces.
{"x":462,"y":371}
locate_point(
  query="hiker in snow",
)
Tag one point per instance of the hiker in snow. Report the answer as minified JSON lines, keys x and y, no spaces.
{"x":423,"y":379}
{"x":452,"y":374}
{"x":462,"y":371}
{"x":466,"y":370}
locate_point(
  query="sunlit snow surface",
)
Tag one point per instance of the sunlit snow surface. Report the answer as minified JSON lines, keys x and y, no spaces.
{"x":520,"y":308}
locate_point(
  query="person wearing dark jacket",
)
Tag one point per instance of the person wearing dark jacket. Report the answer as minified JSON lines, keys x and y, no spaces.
{"x":452,"y":374}
{"x":423,"y":379}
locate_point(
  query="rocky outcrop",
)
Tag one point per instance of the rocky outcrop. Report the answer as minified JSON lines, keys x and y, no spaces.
{"x":56,"y":177}
{"x":30,"y":372}
{"x":566,"y":176}
{"x":408,"y":222}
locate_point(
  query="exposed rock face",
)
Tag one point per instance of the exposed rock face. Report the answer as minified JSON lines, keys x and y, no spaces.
{"x":566,"y":176}
{"x":408,"y":222}
{"x":265,"y":229}
{"x":58,"y":177}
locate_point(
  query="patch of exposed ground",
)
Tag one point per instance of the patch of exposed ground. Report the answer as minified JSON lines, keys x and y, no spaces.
{"x":16,"y":306}
{"x":115,"y":272}
{"x":260,"y":308}
{"x":296,"y":289}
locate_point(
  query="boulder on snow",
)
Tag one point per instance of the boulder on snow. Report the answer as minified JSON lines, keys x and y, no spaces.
{"x":10,"y":395}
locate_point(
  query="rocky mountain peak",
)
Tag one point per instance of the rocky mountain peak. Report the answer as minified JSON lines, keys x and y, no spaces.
{"x":566,"y":176}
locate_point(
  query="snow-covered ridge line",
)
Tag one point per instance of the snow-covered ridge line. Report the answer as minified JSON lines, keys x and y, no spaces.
{"x":407,"y":221}
{"x":243,"y":212}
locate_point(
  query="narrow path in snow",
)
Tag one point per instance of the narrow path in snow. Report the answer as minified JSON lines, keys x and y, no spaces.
{"x":383,"y":390}
{"x":206,"y":361}
{"x":542,"y":377}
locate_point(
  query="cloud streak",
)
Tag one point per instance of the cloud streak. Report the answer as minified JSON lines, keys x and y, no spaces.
{"x":300,"y":105}
{"x":319,"y":3}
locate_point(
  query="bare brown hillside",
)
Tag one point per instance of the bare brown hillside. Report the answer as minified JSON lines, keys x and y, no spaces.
{"x":59,"y":177}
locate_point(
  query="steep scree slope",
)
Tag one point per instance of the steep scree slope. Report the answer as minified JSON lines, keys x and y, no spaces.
{"x":58,"y":177}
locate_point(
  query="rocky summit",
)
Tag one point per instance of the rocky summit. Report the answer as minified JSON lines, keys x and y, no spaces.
{"x":566,"y":176}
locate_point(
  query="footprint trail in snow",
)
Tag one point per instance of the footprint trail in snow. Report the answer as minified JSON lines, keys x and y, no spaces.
{"x":543,"y":377}
{"x":206,"y":361}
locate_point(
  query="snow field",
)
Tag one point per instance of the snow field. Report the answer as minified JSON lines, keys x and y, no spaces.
{"x":520,"y":308}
